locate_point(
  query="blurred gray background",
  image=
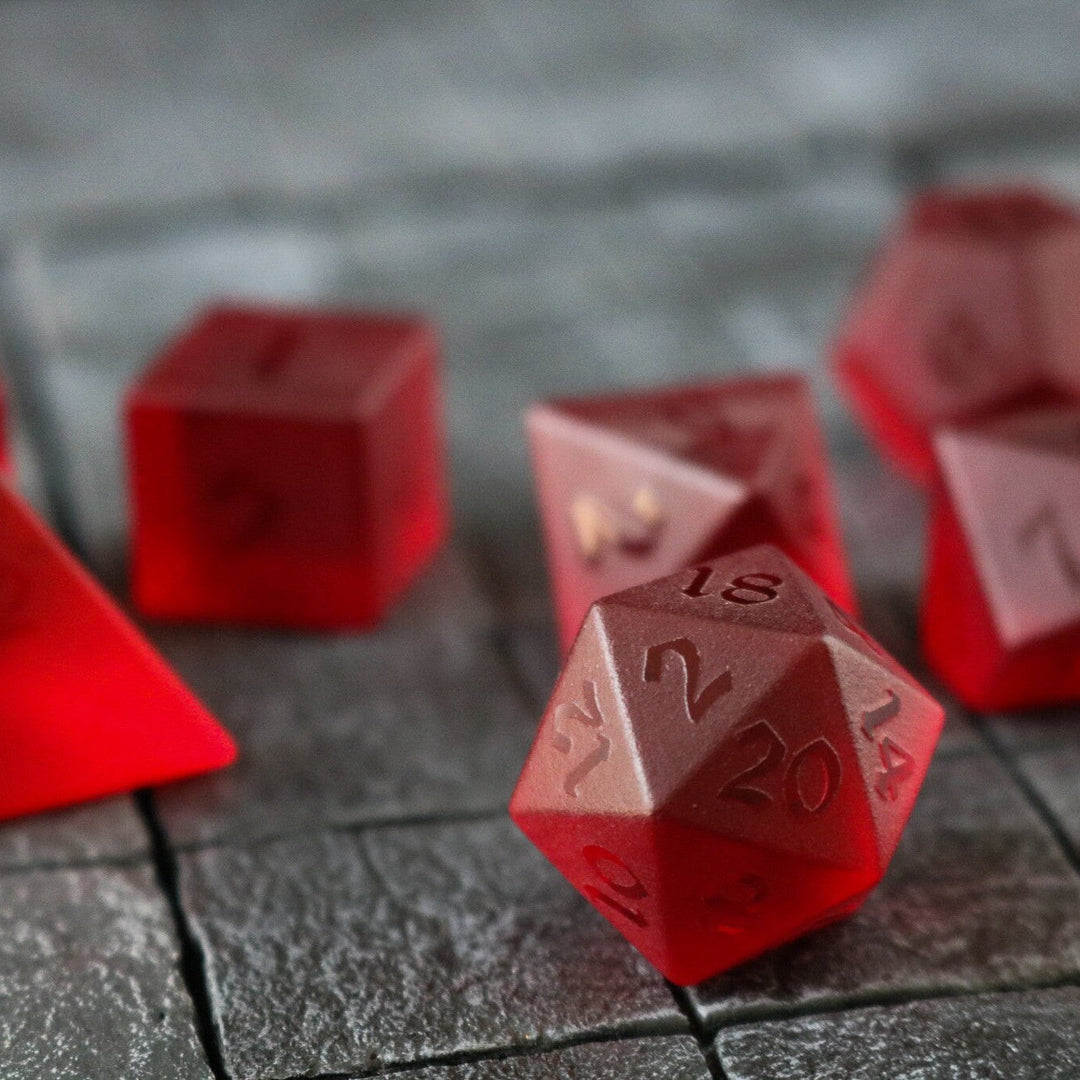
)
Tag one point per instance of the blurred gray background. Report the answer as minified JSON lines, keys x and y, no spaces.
{"x":583,"y":196}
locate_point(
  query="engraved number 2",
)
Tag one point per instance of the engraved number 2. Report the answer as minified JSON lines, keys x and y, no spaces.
{"x":697,"y":704}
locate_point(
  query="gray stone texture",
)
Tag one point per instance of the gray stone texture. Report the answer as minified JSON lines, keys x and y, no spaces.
{"x":344,"y":952}
{"x":1053,"y":773}
{"x":107,"y":830}
{"x":346,"y":729}
{"x":89,"y":979}
{"x":1019,"y":1036}
{"x":978,"y":896}
{"x":671,"y":1058}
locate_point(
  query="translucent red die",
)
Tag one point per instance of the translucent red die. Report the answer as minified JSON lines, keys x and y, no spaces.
{"x":632,"y":486}
{"x":286,"y":467}
{"x":726,"y":763}
{"x":1001,"y":603}
{"x":89,"y":709}
{"x":972,"y":309}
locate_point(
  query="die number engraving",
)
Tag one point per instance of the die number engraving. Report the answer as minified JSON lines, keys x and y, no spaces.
{"x":702,"y":576}
{"x":752,"y":589}
{"x":620,"y":879}
{"x":598,"y":528}
{"x":243,"y":513}
{"x":808,"y":783}
{"x":745,"y":589}
{"x":1047,"y":522}
{"x":897,"y":764}
{"x":734,"y":905}
{"x":592,"y":720}
{"x":697,"y":703}
{"x":958,"y":352}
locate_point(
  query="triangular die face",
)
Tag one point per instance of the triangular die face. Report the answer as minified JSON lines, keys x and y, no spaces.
{"x":611,"y":860}
{"x":89,"y":708}
{"x":685,"y":680}
{"x":584,"y":759}
{"x":1020,"y":512}
{"x":844,"y":627}
{"x":758,"y":587}
{"x":895,"y":726}
{"x":727,"y":427}
{"x":725,"y":902}
{"x":616,"y":512}
{"x":787,"y":778}
{"x":951,"y":340}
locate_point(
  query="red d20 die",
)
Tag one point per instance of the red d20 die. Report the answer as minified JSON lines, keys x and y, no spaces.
{"x":727,"y":762}
{"x":286,"y":468}
{"x":632,"y":486}
{"x":89,"y":709}
{"x":971,"y":310}
{"x":1001,"y":604}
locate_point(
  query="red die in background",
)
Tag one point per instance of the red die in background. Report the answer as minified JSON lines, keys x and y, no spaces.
{"x":632,"y":486}
{"x":89,"y":709}
{"x":971,"y":310}
{"x":727,"y":762}
{"x":1001,"y":606}
{"x":286,"y":467}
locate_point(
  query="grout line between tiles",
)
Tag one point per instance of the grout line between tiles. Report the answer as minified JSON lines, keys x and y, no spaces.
{"x":192,"y":959}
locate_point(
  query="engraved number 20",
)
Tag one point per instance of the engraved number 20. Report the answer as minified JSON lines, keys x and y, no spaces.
{"x":796,"y":781}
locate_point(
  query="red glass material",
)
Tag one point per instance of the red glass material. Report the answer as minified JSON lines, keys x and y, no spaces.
{"x":727,"y":762}
{"x":632,"y":486}
{"x":89,"y":709}
{"x":1001,"y":605}
{"x":287,"y":468}
{"x":971,"y":310}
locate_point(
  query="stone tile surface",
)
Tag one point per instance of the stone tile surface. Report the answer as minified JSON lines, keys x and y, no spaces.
{"x":107,"y":830}
{"x":1017,"y":731}
{"x":1054,"y":773}
{"x":670,"y":1058}
{"x":338,"y":730}
{"x":89,"y":979}
{"x":1020,"y":1036}
{"x":978,"y":896}
{"x":346,"y":951}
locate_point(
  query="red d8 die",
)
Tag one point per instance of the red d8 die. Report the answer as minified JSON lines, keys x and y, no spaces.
{"x":972,"y":309}
{"x":1001,"y":605}
{"x":632,"y":486}
{"x":727,"y":762}
{"x":286,"y":468}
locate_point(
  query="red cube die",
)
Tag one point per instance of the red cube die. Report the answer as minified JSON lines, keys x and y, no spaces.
{"x":1001,"y":605}
{"x":89,"y":708}
{"x":971,"y":310}
{"x":727,"y":762}
{"x":286,"y":467}
{"x":635,"y":485}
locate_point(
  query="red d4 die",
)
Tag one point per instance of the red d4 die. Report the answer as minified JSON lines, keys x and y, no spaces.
{"x":972,"y":309}
{"x":726,"y":763}
{"x":286,"y":467}
{"x":1001,"y":603}
{"x":632,"y":486}
{"x":89,"y":709}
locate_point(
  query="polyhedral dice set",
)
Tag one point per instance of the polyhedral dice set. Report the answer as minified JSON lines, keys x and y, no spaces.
{"x":728,"y":759}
